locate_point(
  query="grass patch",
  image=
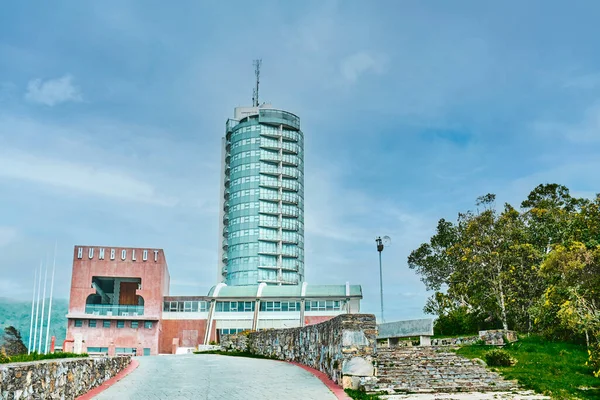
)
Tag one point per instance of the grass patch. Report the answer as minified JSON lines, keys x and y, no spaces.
{"x":236,"y":354}
{"x":360,"y":395}
{"x":556,"y":369}
{"x":38,"y":357}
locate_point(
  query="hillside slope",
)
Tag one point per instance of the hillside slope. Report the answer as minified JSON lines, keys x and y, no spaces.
{"x":17,"y":314}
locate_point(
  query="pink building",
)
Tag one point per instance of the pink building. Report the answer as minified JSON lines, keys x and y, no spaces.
{"x":116,"y":300}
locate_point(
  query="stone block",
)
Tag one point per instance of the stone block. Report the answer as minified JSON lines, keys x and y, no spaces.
{"x":354,"y":338}
{"x":358,"y":366}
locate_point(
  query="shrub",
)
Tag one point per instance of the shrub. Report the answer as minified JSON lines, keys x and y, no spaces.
{"x":499,"y":358}
{"x":4,"y":358}
{"x":594,"y":359}
{"x":461,"y":322}
{"x":37,"y":357}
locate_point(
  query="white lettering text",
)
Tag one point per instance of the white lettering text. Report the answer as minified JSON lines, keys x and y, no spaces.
{"x":80,"y":253}
{"x":145,"y":255}
{"x":123,"y":255}
{"x":133,"y":255}
{"x":155,"y":255}
{"x":101,"y":254}
{"x":91,"y":253}
{"x":112,"y":254}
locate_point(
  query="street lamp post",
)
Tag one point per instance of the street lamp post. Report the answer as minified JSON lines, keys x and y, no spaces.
{"x":381,"y":243}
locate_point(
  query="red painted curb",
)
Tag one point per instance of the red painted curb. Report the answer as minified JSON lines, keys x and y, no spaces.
{"x":105,"y":385}
{"x":331,"y":385}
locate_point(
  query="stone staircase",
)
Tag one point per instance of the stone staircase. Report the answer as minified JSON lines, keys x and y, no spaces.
{"x":434,"y":369}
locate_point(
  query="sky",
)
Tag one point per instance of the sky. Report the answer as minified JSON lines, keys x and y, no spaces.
{"x":112,"y":112}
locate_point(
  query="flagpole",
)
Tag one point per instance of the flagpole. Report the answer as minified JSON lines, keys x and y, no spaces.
{"x":50,"y":305}
{"x":43,"y":308}
{"x":37,"y":306}
{"x":32,"y":309}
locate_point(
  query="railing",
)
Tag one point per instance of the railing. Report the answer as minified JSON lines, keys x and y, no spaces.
{"x":231,"y":123}
{"x":291,"y":147}
{"x":273,"y":183}
{"x":114,"y":310}
{"x":290,"y":185}
{"x":268,"y":210}
{"x":289,"y":172}
{"x":268,"y":224}
{"x":279,"y":117}
{"x":290,"y":159}
{"x":288,"y":211}
{"x":290,"y":135}
{"x":269,"y":156}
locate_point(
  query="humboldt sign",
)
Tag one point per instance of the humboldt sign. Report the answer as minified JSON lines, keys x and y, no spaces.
{"x":101,"y":253}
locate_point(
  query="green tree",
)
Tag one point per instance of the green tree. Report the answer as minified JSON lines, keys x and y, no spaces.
{"x":483,"y":261}
{"x":12,"y":342}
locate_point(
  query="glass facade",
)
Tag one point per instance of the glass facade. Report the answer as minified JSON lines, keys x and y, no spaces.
{"x":263,"y":200}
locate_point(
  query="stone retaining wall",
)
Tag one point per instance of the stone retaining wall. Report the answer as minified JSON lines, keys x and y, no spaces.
{"x":497,"y":337}
{"x":57,"y":379}
{"x":344,"y":347}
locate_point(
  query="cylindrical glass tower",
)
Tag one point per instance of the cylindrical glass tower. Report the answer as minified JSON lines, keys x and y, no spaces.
{"x":263,"y":199}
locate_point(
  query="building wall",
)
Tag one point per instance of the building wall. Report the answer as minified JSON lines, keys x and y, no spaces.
{"x":154,"y":275}
{"x":263,"y":224}
{"x":112,"y":338}
{"x":149,"y":265}
{"x":189,"y":332}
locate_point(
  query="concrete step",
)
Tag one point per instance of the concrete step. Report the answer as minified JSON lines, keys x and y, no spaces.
{"x":433,"y":369}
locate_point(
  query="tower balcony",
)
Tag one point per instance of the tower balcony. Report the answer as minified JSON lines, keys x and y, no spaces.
{"x":270,"y":171}
{"x":267,"y":224}
{"x":288,"y":172}
{"x":290,"y":160}
{"x":292,"y":148}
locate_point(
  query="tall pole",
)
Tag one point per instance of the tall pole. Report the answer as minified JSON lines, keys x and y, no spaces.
{"x":381,"y":286}
{"x":37,"y":307}
{"x":43,"y":308}
{"x":379,"y":242}
{"x":50,"y":305}
{"x":32,"y":309}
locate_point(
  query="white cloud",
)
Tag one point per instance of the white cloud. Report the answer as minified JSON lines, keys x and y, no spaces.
{"x":357,"y":64}
{"x":7,"y":235}
{"x":53,"y":91}
{"x":588,"y":81}
{"x":78,"y":177}
{"x":587,"y":130}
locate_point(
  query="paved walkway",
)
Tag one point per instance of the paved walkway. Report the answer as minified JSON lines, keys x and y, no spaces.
{"x":215,"y":377}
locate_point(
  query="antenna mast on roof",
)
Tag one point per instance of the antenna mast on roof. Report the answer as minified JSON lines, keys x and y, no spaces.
{"x":256,"y":64}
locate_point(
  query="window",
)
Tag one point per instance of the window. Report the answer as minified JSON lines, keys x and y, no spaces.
{"x":148,"y":324}
{"x":134,"y":324}
{"x":324,"y":305}
{"x":106,"y":324}
{"x":97,"y":350}
{"x":235,"y":306}
{"x":230,"y":331}
{"x":78,"y":323}
{"x":125,"y":350}
{"x":92,"y":323}
{"x":120,"y":324}
{"x":280,"y":306}
{"x":185,"y":306}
